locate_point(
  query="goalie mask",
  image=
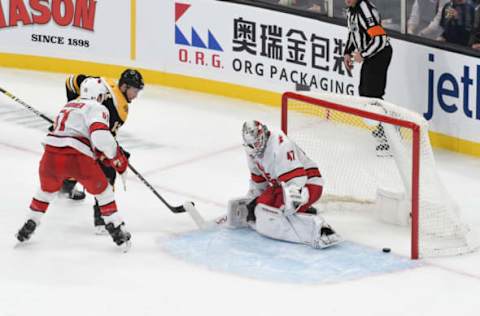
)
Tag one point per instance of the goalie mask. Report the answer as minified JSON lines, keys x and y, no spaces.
{"x":255,"y":136}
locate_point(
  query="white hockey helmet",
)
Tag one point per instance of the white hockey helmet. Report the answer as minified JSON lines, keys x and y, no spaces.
{"x":91,"y":88}
{"x":255,"y":136}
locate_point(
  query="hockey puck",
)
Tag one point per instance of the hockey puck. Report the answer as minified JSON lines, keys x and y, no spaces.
{"x":386,"y":250}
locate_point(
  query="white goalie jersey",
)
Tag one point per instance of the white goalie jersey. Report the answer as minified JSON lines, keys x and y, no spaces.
{"x":277,"y":165}
{"x":282,"y":161}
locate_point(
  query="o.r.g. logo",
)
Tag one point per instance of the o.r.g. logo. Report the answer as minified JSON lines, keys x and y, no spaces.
{"x":196,"y":50}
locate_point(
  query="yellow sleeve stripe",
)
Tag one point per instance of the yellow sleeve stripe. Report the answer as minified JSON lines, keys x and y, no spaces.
{"x":72,"y":85}
{"x":68,"y":83}
{"x":75,"y":84}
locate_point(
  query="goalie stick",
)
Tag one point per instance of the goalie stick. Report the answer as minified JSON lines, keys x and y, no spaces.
{"x":188,"y":207}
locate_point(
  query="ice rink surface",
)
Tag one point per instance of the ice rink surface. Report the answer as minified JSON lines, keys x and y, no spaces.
{"x":188,"y":145}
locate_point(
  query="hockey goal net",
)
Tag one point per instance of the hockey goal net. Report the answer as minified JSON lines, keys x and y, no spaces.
{"x":376,"y":155}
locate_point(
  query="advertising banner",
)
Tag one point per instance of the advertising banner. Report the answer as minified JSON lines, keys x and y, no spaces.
{"x":275,"y":51}
{"x":442,"y":86}
{"x":243,"y":45}
{"x":86,"y":30}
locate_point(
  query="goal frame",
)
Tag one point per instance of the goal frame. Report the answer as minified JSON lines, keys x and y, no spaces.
{"x":415,"y":128}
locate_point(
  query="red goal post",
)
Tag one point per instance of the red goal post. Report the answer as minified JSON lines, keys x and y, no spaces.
{"x":318,"y":112}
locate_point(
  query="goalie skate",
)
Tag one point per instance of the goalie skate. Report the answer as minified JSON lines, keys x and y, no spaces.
{"x":327,"y":238}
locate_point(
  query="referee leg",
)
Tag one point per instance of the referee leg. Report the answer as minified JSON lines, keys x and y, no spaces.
{"x":373,"y":76}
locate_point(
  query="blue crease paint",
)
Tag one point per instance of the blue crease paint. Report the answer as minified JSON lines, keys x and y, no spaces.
{"x":244,"y":252}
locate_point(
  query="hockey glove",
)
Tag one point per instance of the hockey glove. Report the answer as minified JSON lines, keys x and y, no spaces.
{"x":119,"y":162}
{"x":293,"y":198}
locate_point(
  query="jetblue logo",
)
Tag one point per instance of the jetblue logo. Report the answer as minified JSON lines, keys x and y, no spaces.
{"x":452,"y":93}
{"x":195,"y":39}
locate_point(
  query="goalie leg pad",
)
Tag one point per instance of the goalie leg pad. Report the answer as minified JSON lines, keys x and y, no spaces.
{"x":272,"y":223}
{"x":237,"y":213}
{"x":298,"y":228}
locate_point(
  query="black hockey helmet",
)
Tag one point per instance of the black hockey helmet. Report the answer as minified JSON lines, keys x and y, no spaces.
{"x":132,"y":78}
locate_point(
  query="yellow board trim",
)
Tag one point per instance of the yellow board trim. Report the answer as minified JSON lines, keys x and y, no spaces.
{"x":195,"y":84}
{"x":133,"y":29}
{"x":51,"y":64}
{"x":451,"y":143}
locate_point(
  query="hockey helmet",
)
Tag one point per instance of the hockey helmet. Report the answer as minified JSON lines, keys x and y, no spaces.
{"x":132,"y":78}
{"x":255,"y":136}
{"x":91,"y":88}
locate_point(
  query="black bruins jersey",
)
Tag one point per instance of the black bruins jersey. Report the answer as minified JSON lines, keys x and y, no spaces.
{"x":116,"y":103}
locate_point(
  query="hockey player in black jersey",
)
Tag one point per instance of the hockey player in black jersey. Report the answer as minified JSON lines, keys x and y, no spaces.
{"x":120,"y":96}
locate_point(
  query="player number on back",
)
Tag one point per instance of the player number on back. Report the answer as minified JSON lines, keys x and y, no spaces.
{"x":62,"y":118}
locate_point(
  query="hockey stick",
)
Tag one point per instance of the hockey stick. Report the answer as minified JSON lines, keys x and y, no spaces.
{"x":37,"y":112}
{"x":174,"y":209}
{"x":188,"y":206}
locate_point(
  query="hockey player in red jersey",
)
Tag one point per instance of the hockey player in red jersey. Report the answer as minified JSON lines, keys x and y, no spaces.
{"x":120,"y":95}
{"x":80,"y":139}
{"x":284,"y":185}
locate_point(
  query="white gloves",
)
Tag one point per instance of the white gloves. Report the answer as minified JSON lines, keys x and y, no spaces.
{"x":294,"y":197}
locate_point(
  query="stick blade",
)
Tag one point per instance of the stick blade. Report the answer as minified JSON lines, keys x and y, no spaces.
{"x":178,"y":209}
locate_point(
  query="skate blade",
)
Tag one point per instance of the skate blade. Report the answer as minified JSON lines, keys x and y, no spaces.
{"x":66,"y":196}
{"x":100,"y":231}
{"x":125,"y":247}
{"x":19,"y":244}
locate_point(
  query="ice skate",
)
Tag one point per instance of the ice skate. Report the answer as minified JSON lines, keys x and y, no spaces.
{"x":70,"y":190}
{"x":119,"y":235}
{"x":26,"y":231}
{"x":98,"y":222}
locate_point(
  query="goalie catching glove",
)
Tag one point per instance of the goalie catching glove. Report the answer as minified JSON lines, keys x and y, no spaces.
{"x":294,"y":197}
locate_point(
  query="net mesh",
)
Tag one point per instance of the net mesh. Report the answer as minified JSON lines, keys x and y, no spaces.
{"x":358,"y":157}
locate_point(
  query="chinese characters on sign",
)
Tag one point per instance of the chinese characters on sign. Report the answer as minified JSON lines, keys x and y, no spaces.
{"x":290,"y":46}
